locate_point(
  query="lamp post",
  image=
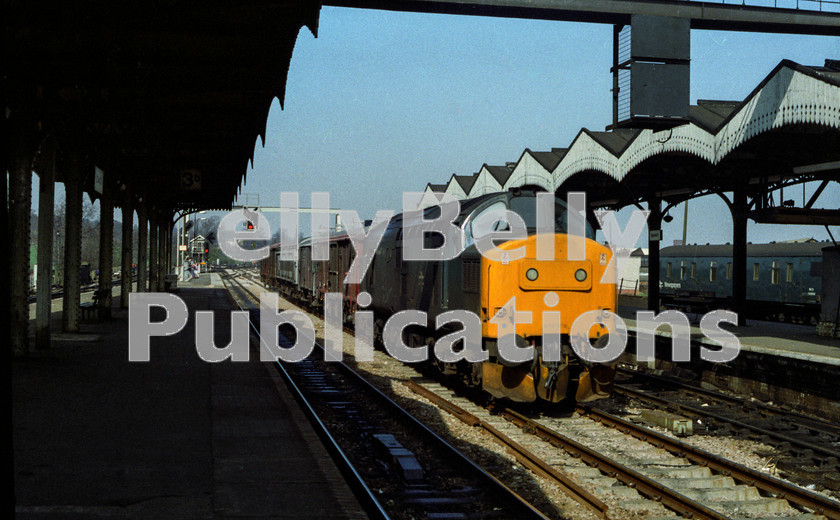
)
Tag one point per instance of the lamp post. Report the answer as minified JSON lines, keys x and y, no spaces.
{"x":195,"y":236}
{"x":184,"y":239}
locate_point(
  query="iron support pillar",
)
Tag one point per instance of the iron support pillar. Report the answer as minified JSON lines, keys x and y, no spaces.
{"x":72,"y":248}
{"x":166,"y":252}
{"x":20,"y":205}
{"x":183,"y":255}
{"x":739,"y":253}
{"x":161,"y":253}
{"x":127,"y":232}
{"x":142,"y":247}
{"x":615,"y":86}
{"x":654,"y":236}
{"x":106,"y":250}
{"x":154,"y":258}
{"x":71,"y":298}
{"x":46,"y":223}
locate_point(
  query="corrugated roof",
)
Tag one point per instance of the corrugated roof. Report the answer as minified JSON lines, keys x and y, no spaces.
{"x":709,"y":114}
{"x":615,"y":141}
{"x":548,"y":160}
{"x":830,"y":70}
{"x":466,"y":181}
{"x":500,"y":173}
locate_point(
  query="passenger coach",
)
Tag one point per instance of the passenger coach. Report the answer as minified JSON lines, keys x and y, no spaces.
{"x":784,"y":279}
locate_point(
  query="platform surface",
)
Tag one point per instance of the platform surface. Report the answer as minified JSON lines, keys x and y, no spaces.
{"x":763,"y":337}
{"x":97,"y":436}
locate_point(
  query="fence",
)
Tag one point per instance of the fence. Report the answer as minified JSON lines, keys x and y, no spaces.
{"x":634,"y":287}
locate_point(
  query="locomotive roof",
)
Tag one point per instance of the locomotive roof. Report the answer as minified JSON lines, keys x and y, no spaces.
{"x":778,"y":249}
{"x":467,"y":205}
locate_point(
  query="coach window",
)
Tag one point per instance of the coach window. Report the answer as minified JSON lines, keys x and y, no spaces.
{"x":683,"y":269}
{"x":713,"y":271}
{"x":668,"y":271}
{"x":789,"y":273}
{"x":755,"y":272}
{"x":775,"y":273}
{"x":728,"y":270}
{"x":693,"y":270}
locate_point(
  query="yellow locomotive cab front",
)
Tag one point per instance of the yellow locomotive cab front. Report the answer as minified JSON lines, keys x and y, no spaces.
{"x":539,"y":290}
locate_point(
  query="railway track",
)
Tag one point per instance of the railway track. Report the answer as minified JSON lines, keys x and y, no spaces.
{"x":636,"y":471}
{"x":674,"y":480}
{"x":398,"y":467}
{"x":84,"y":289}
{"x":809,"y":447}
{"x":815,"y":424}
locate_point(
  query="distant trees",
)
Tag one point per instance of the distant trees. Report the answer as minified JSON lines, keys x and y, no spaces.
{"x":90,"y":239}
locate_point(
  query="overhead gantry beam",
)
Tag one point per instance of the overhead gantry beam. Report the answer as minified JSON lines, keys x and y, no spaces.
{"x":801,"y":216}
{"x":703,"y":15}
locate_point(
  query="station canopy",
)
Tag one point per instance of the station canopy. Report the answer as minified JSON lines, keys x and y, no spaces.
{"x":786,"y":130}
{"x":167,"y":98}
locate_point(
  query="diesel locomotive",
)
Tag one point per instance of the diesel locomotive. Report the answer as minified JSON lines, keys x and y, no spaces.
{"x":472,"y":281}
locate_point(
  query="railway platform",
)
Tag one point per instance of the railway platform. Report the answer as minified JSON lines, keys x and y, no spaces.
{"x":97,"y":436}
{"x":799,"y":342}
{"x":785,"y":363}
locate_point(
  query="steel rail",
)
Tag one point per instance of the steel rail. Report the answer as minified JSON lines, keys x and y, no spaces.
{"x":781,"y":489}
{"x":524,"y":456}
{"x":525,"y":509}
{"x":699,"y":412}
{"x":33,"y":298}
{"x":645,"y":485}
{"x":818,"y":503}
{"x":361,"y":490}
{"x":817,"y":424}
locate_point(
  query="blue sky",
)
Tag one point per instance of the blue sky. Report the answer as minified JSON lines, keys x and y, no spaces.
{"x":381,"y":103}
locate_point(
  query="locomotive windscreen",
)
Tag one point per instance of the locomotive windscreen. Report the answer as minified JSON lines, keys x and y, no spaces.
{"x":526,"y":207}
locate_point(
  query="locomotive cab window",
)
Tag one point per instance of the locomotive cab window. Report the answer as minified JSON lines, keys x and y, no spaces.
{"x":487,"y":220}
{"x":526,"y":207}
{"x":493,"y":217}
